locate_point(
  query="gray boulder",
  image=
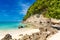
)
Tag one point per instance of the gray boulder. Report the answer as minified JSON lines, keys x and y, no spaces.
{"x":7,"y":37}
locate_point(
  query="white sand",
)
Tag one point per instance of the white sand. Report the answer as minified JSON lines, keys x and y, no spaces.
{"x":55,"y":36}
{"x":17,"y":32}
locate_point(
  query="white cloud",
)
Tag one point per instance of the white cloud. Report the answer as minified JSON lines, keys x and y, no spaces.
{"x":24,"y":8}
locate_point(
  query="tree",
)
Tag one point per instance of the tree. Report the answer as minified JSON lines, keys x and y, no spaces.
{"x":49,"y":8}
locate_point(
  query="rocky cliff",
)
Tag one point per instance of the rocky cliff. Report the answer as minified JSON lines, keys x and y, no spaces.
{"x":39,"y":16}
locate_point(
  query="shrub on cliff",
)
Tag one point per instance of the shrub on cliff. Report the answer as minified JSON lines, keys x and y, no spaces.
{"x":49,"y":8}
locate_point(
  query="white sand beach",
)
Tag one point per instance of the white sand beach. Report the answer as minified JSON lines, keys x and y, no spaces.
{"x":16,"y":32}
{"x":55,"y":36}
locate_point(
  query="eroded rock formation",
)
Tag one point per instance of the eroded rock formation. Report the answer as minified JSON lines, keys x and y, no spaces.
{"x":7,"y":37}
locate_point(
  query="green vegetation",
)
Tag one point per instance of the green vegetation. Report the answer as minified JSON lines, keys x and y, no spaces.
{"x":49,"y":8}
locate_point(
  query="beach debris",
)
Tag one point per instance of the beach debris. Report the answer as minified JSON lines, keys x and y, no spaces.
{"x":7,"y":37}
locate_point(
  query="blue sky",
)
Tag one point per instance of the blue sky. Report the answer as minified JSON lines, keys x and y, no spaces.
{"x":14,"y":10}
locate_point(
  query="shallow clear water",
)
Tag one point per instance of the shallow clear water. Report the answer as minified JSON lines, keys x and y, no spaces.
{"x":9,"y":25}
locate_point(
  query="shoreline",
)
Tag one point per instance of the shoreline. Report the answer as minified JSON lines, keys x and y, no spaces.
{"x":16,"y":32}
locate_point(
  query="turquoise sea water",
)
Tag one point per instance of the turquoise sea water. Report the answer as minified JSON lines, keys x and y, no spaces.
{"x":9,"y":25}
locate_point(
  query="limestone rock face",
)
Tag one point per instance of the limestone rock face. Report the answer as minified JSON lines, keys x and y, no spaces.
{"x":7,"y":37}
{"x":43,"y":24}
{"x":38,"y":21}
